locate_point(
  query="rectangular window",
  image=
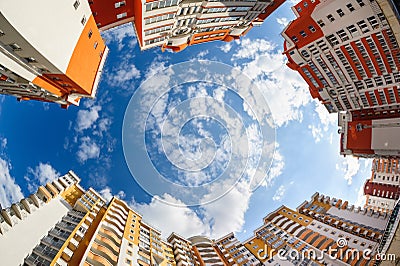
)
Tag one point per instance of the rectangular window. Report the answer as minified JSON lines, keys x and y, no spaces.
{"x":30,"y":59}
{"x":294,"y":38}
{"x":361,"y":3}
{"x":122,"y":15}
{"x":95,"y":45}
{"x":303,"y":34}
{"x":119,"y":4}
{"x":350,"y":7}
{"x":83,"y":20}
{"x":321,"y":23}
{"x":76,"y":4}
{"x":340,"y":12}
{"x":90,"y":33}
{"x":330,"y":18}
{"x":311,"y":28}
{"x":15,"y":47}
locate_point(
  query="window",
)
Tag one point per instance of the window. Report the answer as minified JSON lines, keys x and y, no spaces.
{"x":340,"y":12}
{"x":130,"y":244}
{"x":90,"y":33}
{"x":76,"y":4}
{"x":321,"y":23}
{"x":303,"y":34}
{"x":30,"y":59}
{"x":129,"y":252}
{"x":128,"y":261}
{"x":331,"y":18}
{"x":119,"y":4}
{"x":299,"y":9}
{"x":361,"y":3}
{"x":311,"y":28}
{"x":350,"y":7}
{"x":95,"y":45}
{"x":122,"y":15}
{"x":15,"y":47}
{"x":1,"y":33}
{"x":83,"y":20}
{"x":294,"y":38}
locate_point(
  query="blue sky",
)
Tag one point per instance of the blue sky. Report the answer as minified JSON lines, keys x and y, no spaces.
{"x":40,"y":141}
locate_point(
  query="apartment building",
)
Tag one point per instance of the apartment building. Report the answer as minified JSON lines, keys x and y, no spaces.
{"x":348,"y":53}
{"x":234,"y":252}
{"x":64,"y":224}
{"x":184,"y":252}
{"x":176,"y":24}
{"x":56,"y":55}
{"x":382,"y":190}
{"x":324,"y":230}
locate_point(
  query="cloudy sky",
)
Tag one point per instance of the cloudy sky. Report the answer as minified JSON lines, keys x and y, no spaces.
{"x":201,"y":128}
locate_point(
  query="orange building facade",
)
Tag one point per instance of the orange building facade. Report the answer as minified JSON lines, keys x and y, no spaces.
{"x":61,"y":63}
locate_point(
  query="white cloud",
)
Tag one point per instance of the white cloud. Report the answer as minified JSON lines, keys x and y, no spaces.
{"x":10,"y":192}
{"x":284,"y":89}
{"x":202,"y":54}
{"x":226,"y":47}
{"x":86,"y":118}
{"x":124,"y":74}
{"x":210,"y":219}
{"x":107,"y":194}
{"x":276,"y":169}
{"x":3,"y":143}
{"x":40,"y":175}
{"x":166,"y":217}
{"x":316,"y":132}
{"x":360,"y":201}
{"x":349,"y":166}
{"x":230,"y":207}
{"x":280,"y":192}
{"x":282,"y":21}
{"x":327,"y":119}
{"x":118,"y":34}
{"x":326,"y":122}
{"x":88,"y":149}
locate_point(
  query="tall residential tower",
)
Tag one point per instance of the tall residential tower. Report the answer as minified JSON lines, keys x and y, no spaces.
{"x":50,"y":51}
{"x":348,"y":53}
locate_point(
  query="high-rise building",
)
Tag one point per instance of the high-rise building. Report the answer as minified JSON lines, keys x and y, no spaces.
{"x":176,"y":24}
{"x":206,"y":251}
{"x":382,"y":190}
{"x":324,"y":231}
{"x":50,"y":51}
{"x":64,"y":224}
{"x":234,"y":252}
{"x":185,"y":254}
{"x":348,"y":53}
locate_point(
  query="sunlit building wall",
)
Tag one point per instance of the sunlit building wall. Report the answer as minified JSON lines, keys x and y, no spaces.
{"x":382,"y":190}
{"x":50,"y":51}
{"x":315,"y":226}
{"x":348,"y":53}
{"x":176,"y":24}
